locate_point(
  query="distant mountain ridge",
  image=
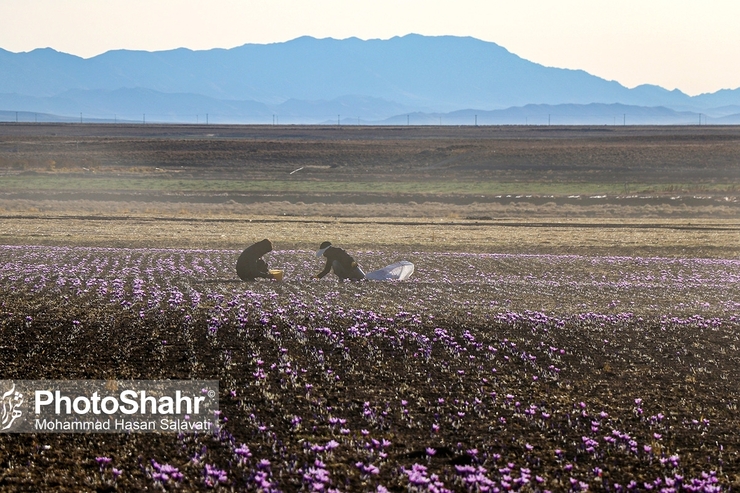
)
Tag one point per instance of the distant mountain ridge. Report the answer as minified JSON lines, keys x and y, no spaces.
{"x":567,"y":114}
{"x":135,"y":104}
{"x":312,"y":79}
{"x":315,"y":112}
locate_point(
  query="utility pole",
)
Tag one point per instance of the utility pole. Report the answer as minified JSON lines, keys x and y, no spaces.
{"x":206,"y":118}
{"x":143,"y":119}
{"x":476,"y":120}
{"x":338,"y":122}
{"x":408,"y":120}
{"x":16,"y":117}
{"x":80,"y":117}
{"x":624,"y":121}
{"x":548,"y":120}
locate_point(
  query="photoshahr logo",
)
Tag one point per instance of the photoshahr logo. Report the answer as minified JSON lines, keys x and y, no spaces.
{"x":11,"y":402}
{"x":108,"y":406}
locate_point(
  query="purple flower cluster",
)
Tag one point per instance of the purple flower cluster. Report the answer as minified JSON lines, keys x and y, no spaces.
{"x":421,"y":480}
{"x":212,"y":476}
{"x":163,"y":474}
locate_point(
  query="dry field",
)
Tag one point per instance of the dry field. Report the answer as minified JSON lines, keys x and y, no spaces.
{"x":660,"y":160}
{"x":590,"y":190}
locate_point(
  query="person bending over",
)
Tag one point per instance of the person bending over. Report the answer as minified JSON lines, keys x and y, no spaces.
{"x":341,"y":262}
{"x":250,"y":264}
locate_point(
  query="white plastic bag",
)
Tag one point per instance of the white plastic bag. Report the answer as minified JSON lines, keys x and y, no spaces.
{"x":394,"y":272}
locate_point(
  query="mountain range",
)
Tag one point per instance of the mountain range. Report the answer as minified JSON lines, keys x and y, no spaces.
{"x":412,"y":79}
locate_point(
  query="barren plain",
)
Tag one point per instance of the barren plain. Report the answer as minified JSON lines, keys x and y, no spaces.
{"x":514,"y":188}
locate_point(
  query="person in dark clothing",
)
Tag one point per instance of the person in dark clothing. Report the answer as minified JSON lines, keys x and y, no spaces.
{"x":250,"y":264}
{"x":341,"y":262}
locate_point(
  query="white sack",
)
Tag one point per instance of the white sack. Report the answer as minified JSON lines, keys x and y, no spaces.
{"x":394,"y":272}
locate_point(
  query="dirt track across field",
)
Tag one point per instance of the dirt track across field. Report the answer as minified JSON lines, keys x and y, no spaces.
{"x":646,"y":238}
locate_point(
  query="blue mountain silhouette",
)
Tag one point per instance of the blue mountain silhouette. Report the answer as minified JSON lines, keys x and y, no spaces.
{"x":372,"y":80}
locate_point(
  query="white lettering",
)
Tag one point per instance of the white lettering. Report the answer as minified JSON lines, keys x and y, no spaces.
{"x":57,"y":425}
{"x":125,"y":425}
{"x":198,"y":400}
{"x":184,"y":425}
{"x":49,"y":398}
{"x":76,"y":405}
{"x":148,"y":399}
{"x":105,"y":408}
{"x":183,"y":399}
{"x":166,"y":405}
{"x":128,"y":402}
{"x":58,"y":403}
{"x":95,"y":398}
{"x":128,"y":396}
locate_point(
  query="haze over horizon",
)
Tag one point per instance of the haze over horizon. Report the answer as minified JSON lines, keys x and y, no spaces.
{"x":689,"y":46}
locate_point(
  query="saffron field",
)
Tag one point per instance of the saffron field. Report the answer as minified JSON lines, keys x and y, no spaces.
{"x":483,"y":372}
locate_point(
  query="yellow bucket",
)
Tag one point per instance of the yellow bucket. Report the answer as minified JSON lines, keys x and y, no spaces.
{"x":277,"y":274}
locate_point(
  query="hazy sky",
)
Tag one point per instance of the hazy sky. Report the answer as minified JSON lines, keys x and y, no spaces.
{"x":692,"y":45}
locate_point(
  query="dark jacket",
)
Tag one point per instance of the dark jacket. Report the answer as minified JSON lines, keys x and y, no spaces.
{"x":333,"y":254}
{"x":250,"y":265}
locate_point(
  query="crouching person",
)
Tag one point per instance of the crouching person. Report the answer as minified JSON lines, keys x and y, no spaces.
{"x":250,"y":265}
{"x":340,"y":261}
